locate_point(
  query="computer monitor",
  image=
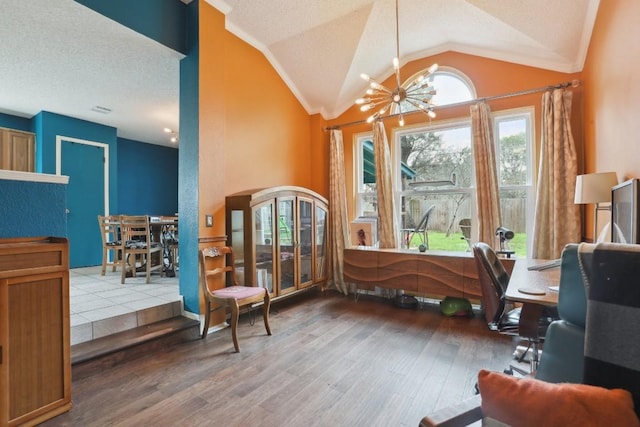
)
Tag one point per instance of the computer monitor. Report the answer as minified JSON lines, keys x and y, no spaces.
{"x":624,"y":212}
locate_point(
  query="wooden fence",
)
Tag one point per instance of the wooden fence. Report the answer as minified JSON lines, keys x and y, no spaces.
{"x":445,"y":218}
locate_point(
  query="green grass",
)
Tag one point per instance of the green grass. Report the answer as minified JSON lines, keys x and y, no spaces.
{"x":440,"y":241}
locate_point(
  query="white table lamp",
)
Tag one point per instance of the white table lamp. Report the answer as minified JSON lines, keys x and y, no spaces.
{"x":595,"y":188}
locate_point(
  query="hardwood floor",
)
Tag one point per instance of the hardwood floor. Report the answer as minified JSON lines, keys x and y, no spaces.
{"x":331,"y":361}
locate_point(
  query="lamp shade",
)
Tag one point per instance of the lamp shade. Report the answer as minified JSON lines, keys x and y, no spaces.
{"x":595,"y":187}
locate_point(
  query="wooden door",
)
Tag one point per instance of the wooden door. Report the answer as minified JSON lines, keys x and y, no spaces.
{"x":17,"y":150}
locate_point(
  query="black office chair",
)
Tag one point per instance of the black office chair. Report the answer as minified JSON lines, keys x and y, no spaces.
{"x":501,"y":316}
{"x":420,"y":230}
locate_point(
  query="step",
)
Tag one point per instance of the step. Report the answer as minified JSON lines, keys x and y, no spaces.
{"x":93,"y":356}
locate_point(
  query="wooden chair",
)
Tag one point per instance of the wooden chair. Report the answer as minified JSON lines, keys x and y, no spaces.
{"x":111,"y":243}
{"x":138,"y":245}
{"x":233,"y":297}
{"x":170,"y":240}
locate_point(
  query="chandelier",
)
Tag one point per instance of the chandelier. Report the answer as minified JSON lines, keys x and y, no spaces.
{"x":418,"y":92}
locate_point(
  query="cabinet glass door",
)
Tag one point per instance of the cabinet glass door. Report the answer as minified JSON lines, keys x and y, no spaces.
{"x":305,"y":242}
{"x":321,"y":242}
{"x":237,"y":243}
{"x":286,"y":242}
{"x":263,"y":226}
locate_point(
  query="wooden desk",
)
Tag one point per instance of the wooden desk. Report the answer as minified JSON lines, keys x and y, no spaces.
{"x":536,"y":279}
{"x":532,"y":305}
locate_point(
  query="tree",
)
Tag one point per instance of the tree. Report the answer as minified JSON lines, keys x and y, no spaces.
{"x":513,"y":159}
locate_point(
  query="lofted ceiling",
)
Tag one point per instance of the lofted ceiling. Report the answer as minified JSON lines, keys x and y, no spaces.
{"x":62,"y":57}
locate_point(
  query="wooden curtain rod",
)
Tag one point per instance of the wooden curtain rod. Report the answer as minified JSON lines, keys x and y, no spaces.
{"x":573,"y":83}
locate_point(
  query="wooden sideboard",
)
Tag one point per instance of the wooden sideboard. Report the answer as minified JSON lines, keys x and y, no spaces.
{"x":431,"y":273}
{"x":35,"y":359}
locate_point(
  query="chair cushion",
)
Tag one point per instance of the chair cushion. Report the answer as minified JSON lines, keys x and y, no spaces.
{"x":530,"y":402}
{"x":238,"y":292}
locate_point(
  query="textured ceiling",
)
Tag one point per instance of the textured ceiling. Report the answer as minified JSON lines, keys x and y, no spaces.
{"x":62,"y":57}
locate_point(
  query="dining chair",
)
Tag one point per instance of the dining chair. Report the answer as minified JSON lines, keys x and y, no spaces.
{"x":169,"y":239}
{"x":138,"y":246}
{"x":111,"y":242}
{"x":217,"y":267}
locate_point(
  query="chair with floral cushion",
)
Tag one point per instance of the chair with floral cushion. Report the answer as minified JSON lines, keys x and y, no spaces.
{"x":221,"y":290}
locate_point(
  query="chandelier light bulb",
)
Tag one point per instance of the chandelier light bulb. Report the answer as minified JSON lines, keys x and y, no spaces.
{"x":416,"y":92}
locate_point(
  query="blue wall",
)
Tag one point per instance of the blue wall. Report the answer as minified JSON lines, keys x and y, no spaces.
{"x":15,"y":122}
{"x":148,"y":179}
{"x":31,"y":209}
{"x":188,"y":164}
{"x":143,"y":178}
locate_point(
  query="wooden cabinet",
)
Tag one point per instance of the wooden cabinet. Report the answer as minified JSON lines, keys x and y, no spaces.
{"x":17,"y":150}
{"x":432,"y":273}
{"x":279,"y":237}
{"x":35,"y":360}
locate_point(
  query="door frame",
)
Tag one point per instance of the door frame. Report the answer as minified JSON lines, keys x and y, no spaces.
{"x":60,"y":139}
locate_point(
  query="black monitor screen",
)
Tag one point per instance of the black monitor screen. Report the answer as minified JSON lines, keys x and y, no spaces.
{"x":624,"y":212}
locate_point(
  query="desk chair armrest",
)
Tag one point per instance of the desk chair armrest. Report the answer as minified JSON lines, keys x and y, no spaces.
{"x":464,"y":413}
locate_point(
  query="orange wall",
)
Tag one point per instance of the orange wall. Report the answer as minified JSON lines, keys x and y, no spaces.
{"x":490,"y":78}
{"x":253,"y":131}
{"x":612,"y":95}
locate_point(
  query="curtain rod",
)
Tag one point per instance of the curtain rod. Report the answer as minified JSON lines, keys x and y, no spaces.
{"x":572,"y":83}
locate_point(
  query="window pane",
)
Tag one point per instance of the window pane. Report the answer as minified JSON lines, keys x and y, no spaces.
{"x":513,"y":151}
{"x":450,"y":89}
{"x":438,"y":158}
{"x":513,"y":205}
{"x":443,"y":230}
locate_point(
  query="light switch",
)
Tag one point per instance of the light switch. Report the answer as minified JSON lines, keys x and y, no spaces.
{"x":209,"y":220}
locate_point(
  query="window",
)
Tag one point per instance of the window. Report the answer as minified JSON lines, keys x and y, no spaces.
{"x":441,"y":157}
{"x":366,"y":196}
{"x":513,"y":135}
{"x":451,"y":87}
{"x":434,"y":166}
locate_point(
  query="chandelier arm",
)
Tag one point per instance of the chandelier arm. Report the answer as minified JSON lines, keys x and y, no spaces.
{"x":415,"y":89}
{"x":420,"y":107}
{"x":413,"y":100}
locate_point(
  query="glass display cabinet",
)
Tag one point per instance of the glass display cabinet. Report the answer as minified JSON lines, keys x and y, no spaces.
{"x":278,"y":236}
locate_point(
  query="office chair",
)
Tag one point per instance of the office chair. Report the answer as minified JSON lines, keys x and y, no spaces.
{"x":499,"y":314}
{"x":420,"y":230}
{"x":563,"y":357}
{"x":231,"y":296}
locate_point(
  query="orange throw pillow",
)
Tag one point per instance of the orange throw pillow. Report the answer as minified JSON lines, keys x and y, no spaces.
{"x":530,"y":402}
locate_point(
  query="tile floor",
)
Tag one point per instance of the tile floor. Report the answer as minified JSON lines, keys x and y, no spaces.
{"x":100,"y":305}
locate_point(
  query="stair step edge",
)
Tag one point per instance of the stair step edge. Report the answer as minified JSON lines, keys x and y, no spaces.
{"x":119,"y":341}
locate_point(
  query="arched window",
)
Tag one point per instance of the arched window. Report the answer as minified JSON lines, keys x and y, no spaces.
{"x":451,"y":85}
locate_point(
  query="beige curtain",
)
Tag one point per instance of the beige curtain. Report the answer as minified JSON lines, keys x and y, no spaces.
{"x":386,"y":206}
{"x":488,"y":196}
{"x":557,"y":219}
{"x":338,"y":224}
